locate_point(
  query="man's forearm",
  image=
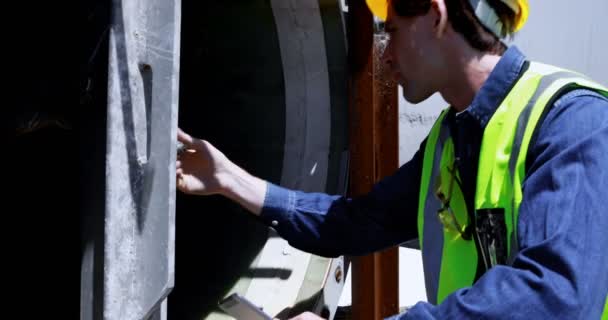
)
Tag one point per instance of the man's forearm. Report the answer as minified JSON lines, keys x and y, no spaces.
{"x":243,"y":188}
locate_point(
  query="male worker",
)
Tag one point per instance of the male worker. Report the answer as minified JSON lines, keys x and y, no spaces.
{"x":507,"y":194}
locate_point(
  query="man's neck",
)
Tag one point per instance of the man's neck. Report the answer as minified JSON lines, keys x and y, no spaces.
{"x":468,"y":72}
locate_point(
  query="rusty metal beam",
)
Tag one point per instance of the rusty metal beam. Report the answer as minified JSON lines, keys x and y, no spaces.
{"x":374,"y":155}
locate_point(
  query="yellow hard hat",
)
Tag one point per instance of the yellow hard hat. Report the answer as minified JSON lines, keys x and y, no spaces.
{"x":380,"y":9}
{"x":521,"y":9}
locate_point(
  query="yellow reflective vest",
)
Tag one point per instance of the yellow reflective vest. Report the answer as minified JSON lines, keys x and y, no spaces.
{"x":448,"y":237}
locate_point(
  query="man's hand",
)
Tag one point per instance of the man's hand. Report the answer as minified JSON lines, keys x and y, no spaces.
{"x":200,"y":167}
{"x":203,"y":170}
{"x":307,"y":316}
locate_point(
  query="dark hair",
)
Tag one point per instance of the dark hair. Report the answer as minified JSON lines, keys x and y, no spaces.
{"x":464,"y":21}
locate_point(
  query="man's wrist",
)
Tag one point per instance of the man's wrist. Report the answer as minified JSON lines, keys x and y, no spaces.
{"x":227,"y":180}
{"x":240,"y":186}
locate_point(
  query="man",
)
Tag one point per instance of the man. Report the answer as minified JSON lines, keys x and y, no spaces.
{"x":506,"y":194}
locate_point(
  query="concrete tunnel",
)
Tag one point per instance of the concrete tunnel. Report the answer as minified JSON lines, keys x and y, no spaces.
{"x":264,"y":81}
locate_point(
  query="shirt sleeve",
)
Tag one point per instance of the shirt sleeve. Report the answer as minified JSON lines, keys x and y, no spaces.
{"x":334,"y":225}
{"x":561,"y":270}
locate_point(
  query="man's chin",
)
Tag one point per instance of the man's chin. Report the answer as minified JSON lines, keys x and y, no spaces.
{"x":413,"y":99}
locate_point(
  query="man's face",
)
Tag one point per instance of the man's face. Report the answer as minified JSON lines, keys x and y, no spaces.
{"x":413,"y":54}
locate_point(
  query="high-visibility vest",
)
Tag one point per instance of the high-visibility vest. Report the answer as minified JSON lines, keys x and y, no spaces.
{"x":450,"y":259}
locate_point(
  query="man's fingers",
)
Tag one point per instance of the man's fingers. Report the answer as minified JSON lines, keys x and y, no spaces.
{"x":180,"y":183}
{"x":184,"y":138}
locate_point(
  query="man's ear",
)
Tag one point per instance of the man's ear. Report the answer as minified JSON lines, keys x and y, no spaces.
{"x":441,"y":17}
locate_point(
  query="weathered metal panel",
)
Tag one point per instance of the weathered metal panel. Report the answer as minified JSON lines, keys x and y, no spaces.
{"x":139,"y":222}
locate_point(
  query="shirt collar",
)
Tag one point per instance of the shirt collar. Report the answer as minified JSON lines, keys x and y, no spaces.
{"x":497,"y":86}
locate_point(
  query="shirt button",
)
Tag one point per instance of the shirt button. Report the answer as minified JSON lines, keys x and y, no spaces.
{"x":274,"y":223}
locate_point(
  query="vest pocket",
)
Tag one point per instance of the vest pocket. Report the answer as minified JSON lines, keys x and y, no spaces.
{"x":492,"y":232}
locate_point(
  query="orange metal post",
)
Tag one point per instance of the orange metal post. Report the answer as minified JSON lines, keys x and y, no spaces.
{"x":374,"y":155}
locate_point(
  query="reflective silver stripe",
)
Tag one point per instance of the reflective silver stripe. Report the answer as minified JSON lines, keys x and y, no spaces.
{"x":432,"y":246}
{"x":522,"y":123}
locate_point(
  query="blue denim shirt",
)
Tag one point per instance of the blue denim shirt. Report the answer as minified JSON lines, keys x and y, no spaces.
{"x":561,"y":271}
